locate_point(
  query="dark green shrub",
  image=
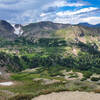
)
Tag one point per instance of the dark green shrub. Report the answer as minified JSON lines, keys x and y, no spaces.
{"x":95,"y":79}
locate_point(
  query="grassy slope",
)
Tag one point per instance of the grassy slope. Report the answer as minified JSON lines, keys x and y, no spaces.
{"x":26,"y":87}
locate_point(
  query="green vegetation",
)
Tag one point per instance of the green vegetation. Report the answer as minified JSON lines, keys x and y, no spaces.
{"x":50,"y":58}
{"x":29,"y":85}
{"x":50,"y":55}
{"x":95,"y":79}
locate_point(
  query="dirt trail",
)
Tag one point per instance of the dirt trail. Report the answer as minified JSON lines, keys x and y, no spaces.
{"x":69,"y":96}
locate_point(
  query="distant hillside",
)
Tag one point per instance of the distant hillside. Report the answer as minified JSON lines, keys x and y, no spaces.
{"x":42,"y":29}
{"x":76,"y":32}
{"x":89,"y":25}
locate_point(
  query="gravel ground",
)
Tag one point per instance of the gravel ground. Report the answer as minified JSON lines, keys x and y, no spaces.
{"x":69,"y":96}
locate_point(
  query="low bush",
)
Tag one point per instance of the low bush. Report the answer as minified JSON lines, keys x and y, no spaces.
{"x":22,"y":97}
{"x":95,"y":79}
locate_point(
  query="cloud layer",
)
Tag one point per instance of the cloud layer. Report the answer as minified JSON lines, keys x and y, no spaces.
{"x":63,"y":11}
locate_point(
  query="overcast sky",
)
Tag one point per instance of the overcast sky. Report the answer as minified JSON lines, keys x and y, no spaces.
{"x":60,"y":11}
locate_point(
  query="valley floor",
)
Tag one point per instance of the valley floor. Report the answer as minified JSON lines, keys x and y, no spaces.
{"x":31,"y":84}
{"x":69,"y":96}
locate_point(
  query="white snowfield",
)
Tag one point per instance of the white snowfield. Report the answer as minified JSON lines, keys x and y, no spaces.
{"x":18,"y":30}
{"x":69,"y":96}
{"x":6,"y":83}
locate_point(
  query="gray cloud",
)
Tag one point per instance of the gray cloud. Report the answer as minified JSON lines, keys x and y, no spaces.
{"x":27,"y":11}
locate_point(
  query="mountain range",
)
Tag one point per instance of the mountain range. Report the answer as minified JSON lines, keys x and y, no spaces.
{"x":89,"y":25}
{"x":46,"y":29}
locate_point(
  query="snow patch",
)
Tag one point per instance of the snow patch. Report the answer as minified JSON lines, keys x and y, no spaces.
{"x":6,"y":83}
{"x":18,"y":29}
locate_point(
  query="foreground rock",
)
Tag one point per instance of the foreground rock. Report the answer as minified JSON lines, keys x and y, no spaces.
{"x":69,"y":96}
{"x":46,"y":81}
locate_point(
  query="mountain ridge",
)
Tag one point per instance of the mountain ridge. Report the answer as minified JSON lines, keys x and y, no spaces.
{"x":89,"y":25}
{"x":44,"y":29}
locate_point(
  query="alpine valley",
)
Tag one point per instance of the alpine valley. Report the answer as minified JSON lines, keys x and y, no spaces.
{"x":44,"y":57}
